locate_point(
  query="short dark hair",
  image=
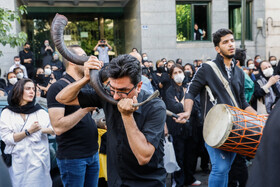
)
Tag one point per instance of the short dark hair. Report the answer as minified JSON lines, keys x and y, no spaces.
{"x":219,"y":34}
{"x":71,"y":49}
{"x":270,"y":57}
{"x":240,"y":55}
{"x":248,"y":61}
{"x":125,"y":65}
{"x":26,"y":43}
{"x":257,"y":56}
{"x":16,"y":57}
{"x":18,"y":91}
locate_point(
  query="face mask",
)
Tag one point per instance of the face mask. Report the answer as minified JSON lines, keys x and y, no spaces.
{"x":273,"y":62}
{"x":179,"y":78}
{"x":40,"y":76}
{"x":251,"y":66}
{"x":268,"y":72}
{"x":258,"y":60}
{"x":27,"y":49}
{"x":187,"y":73}
{"x":20,"y":75}
{"x":48,"y":71}
{"x":17,"y":62}
{"x":145,"y":58}
{"x":161,"y":69}
{"x":46,"y":44}
{"x":13,"y":81}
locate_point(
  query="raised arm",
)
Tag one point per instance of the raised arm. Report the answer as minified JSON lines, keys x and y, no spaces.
{"x":69,"y":95}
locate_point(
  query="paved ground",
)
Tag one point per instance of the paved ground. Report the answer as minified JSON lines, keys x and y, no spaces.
{"x":199,"y":175}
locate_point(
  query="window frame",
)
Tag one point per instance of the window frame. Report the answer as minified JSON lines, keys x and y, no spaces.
{"x":208,"y":13}
{"x":249,"y":25}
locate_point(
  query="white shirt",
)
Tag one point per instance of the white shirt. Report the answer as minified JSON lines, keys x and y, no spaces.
{"x":30,"y":156}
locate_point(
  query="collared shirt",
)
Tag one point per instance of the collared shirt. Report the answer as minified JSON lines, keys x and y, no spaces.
{"x":123,"y":167}
{"x":21,"y":67}
{"x":103,"y":54}
{"x":229,"y":69}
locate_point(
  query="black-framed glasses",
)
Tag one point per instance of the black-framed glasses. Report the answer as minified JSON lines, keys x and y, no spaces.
{"x":112,"y":92}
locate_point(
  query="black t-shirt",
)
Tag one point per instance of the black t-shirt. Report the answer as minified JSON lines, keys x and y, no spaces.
{"x":123,"y":168}
{"x":81,"y":140}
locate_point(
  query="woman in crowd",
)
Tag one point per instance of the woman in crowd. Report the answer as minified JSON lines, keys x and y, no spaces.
{"x":11,"y":81}
{"x":44,"y":81}
{"x":57,"y":66}
{"x":189,"y":71}
{"x":181,"y":133}
{"x":46,"y":52}
{"x":19,"y":73}
{"x":267,"y":89}
{"x":24,"y":127}
{"x":161,"y":80}
{"x":257,"y":61}
{"x":274,"y":64}
{"x":253,"y":71}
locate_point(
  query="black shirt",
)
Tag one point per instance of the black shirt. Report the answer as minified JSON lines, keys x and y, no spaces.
{"x":123,"y":168}
{"x":81,"y":140}
{"x":29,"y":67}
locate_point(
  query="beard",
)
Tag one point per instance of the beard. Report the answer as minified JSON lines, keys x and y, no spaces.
{"x":227,"y":55}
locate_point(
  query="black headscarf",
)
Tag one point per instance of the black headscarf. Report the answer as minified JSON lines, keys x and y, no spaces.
{"x":29,"y":108}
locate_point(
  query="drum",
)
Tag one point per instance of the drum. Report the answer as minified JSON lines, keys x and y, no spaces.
{"x":232,"y":129}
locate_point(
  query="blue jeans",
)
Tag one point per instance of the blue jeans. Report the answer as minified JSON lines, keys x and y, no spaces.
{"x":221,"y":162}
{"x":79,"y":172}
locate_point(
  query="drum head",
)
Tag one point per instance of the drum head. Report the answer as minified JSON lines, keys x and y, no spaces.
{"x":217,"y":125}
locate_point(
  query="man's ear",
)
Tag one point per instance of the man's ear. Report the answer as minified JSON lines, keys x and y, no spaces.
{"x":138,"y":87}
{"x":217,"y":48}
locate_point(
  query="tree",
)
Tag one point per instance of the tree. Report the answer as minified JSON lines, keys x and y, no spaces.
{"x":6,"y":19}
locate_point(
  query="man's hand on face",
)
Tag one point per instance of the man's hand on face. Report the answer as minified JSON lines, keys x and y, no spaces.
{"x":125,"y":106}
{"x":92,"y":63}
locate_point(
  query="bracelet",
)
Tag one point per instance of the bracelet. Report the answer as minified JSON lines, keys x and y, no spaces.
{"x":27,"y":133}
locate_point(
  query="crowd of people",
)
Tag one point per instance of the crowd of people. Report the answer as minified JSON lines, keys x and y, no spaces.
{"x":135,"y":135}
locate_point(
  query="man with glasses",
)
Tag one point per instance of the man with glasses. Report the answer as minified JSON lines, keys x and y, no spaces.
{"x":135,"y":134}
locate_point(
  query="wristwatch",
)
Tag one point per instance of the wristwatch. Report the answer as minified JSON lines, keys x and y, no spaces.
{"x":27,"y":133}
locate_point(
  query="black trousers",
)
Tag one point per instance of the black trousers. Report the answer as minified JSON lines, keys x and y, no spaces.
{"x":185,"y":157}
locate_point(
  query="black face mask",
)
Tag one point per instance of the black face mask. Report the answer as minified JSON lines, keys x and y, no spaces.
{"x":27,"y":49}
{"x":187,"y":74}
{"x":161,"y":69}
{"x":40,"y":77}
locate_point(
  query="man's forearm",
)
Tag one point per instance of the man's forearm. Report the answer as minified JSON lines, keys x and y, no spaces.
{"x":188,"y":104}
{"x":141,"y":148}
{"x":70,"y":92}
{"x":66,"y":123}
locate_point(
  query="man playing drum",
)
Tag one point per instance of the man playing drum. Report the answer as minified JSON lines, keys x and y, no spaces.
{"x":205,"y":76}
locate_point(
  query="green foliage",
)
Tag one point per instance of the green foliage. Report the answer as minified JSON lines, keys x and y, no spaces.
{"x":183,"y":21}
{"x":6,"y":19}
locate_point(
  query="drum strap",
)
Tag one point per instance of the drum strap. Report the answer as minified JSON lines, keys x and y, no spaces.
{"x":222,"y":79}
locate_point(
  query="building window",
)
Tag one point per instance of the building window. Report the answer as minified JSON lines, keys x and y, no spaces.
{"x":235,"y":23}
{"x":193,"y":21}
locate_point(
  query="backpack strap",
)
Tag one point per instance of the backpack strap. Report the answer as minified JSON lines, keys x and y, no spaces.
{"x":223,"y":80}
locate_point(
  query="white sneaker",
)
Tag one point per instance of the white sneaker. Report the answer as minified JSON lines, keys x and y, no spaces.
{"x":196,"y":183}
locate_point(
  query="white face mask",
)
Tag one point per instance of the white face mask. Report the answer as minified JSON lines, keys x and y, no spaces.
{"x":268,"y":72}
{"x":13,"y":81}
{"x":273,"y":62}
{"x":48,"y":71}
{"x":20,"y":75}
{"x":179,"y":78}
{"x":17,"y":62}
{"x":145,"y":58}
{"x":251,"y":66}
{"x":258,"y":60}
